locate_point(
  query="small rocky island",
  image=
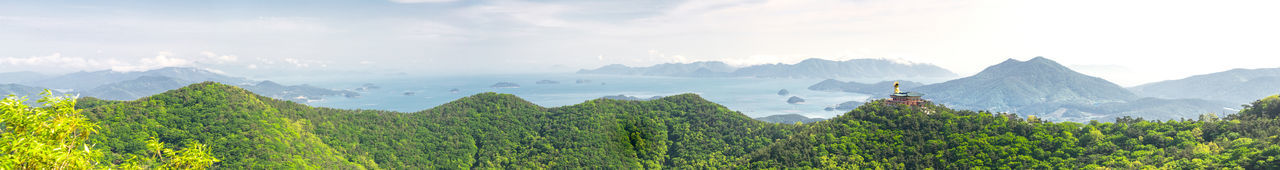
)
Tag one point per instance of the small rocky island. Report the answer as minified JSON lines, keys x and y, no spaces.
{"x":789,"y":118}
{"x":505,"y":85}
{"x":846,"y":106}
{"x":783,"y":92}
{"x":633,"y":98}
{"x":454,"y":90}
{"x":409,"y":93}
{"x":795,"y":100}
{"x":548,"y":82}
{"x":368,"y":87}
{"x":582,"y":81}
{"x":297,"y":93}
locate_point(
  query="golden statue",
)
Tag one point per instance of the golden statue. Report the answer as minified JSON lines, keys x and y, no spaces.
{"x":895,"y":87}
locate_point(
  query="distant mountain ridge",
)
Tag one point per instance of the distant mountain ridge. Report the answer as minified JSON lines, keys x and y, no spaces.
{"x":485,"y":130}
{"x":502,"y":131}
{"x":19,"y":90}
{"x":1234,"y":86}
{"x":22,"y":76}
{"x":1043,"y":87}
{"x":136,"y":88}
{"x":1015,"y":83}
{"x":809,"y":68}
{"x":883,"y":87}
{"x":87,"y":80}
{"x":114,"y":85}
{"x":789,"y":118}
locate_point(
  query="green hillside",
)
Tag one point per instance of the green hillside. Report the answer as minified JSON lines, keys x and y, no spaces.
{"x":241,"y":128}
{"x":900,"y":137}
{"x":491,"y":130}
{"x":484,"y":130}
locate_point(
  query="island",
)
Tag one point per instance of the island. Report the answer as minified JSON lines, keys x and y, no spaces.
{"x":632,"y":98}
{"x":582,"y":81}
{"x":789,"y":118}
{"x":795,"y":100}
{"x":547,"y":82}
{"x":783,"y":92}
{"x":454,"y":90}
{"x":297,"y":93}
{"x":846,"y":106}
{"x":505,"y":85}
{"x":367,"y":87}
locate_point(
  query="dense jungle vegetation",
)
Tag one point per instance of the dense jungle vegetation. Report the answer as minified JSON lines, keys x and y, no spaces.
{"x":490,"y":130}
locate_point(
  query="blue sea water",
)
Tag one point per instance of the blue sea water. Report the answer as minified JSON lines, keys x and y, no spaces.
{"x":754,"y":97}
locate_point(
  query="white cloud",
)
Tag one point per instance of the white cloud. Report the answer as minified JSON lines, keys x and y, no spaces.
{"x":521,"y":12}
{"x":295,"y":62}
{"x":421,"y":1}
{"x":53,"y":60}
{"x":1188,"y":37}
{"x":161,"y":60}
{"x":304,"y":63}
{"x":57,"y":63}
{"x":219,"y":58}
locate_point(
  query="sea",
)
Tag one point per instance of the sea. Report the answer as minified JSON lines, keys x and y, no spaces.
{"x":754,"y":97}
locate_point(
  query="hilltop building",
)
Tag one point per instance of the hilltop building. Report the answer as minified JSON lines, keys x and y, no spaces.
{"x":906,"y":98}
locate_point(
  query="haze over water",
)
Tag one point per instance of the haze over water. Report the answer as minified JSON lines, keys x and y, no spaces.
{"x":754,"y":97}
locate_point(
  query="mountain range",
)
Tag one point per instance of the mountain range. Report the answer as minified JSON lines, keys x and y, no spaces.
{"x":491,"y":130}
{"x":1015,"y":83}
{"x":21,"y":76}
{"x":1233,"y":86}
{"x":88,"y":80}
{"x":486,"y":130}
{"x":883,"y":87}
{"x":1043,"y":87}
{"x":809,"y":68}
{"x":20,"y":90}
{"x":115,"y":85}
{"x":789,"y":118}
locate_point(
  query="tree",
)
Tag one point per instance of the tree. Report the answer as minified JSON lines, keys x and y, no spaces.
{"x":48,"y":137}
{"x":55,"y":136}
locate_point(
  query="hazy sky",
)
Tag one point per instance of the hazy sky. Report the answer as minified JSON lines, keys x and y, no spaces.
{"x":1127,"y":42}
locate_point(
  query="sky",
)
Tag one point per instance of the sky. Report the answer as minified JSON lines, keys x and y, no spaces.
{"x":1127,"y":42}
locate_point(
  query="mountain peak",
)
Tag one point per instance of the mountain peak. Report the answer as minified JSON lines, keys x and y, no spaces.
{"x":211,"y":85}
{"x":1010,"y":61}
{"x":208,"y":90}
{"x":481,"y":100}
{"x":685,"y":96}
{"x":815,"y":60}
{"x":1014,"y":84}
{"x":1012,"y":67}
{"x":269,"y":83}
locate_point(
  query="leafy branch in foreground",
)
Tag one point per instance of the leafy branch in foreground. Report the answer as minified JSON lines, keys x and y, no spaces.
{"x":54,"y":136}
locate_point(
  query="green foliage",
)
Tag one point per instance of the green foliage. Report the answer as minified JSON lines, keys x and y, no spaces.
{"x":195,"y":156}
{"x":50,"y":137}
{"x":492,"y":131}
{"x":240,"y":130}
{"x":487,"y":130}
{"x":55,"y":137}
{"x":1268,"y":107}
{"x":899,"y":137}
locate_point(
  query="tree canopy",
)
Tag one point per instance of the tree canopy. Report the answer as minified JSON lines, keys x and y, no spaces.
{"x":491,"y":130}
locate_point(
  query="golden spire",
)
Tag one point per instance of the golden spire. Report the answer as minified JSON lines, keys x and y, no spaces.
{"x":895,"y":87}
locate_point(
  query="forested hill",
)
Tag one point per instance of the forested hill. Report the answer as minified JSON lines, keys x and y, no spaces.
{"x":490,"y":130}
{"x":901,"y":137}
{"x":485,"y":130}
